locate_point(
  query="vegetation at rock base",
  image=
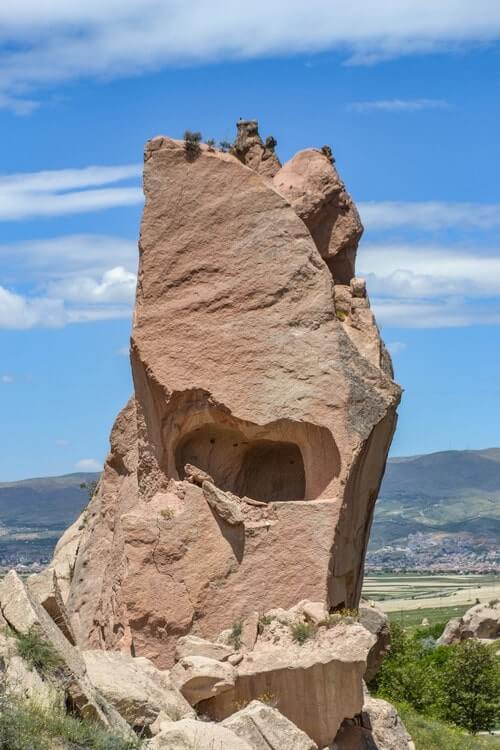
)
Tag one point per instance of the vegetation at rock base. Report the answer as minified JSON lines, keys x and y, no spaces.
{"x":457,"y":684}
{"x":433,"y":734}
{"x":301,"y":631}
{"x":28,"y":726}
{"x":37,"y":652}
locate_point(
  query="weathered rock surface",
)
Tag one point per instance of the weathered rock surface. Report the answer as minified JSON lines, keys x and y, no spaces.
{"x":138,"y":691}
{"x":44,"y":587}
{"x":376,"y":622}
{"x":191,"y":645}
{"x":198,"y":678}
{"x":18,"y":679}
{"x":196,"y":735}
{"x":264,"y":728}
{"x":246,"y":369}
{"x":315,"y":685}
{"x":379,"y":727}
{"x":480,"y":621}
{"x":24,"y":614}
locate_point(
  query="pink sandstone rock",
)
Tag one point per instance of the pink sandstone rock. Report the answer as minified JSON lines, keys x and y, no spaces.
{"x":243,"y":369}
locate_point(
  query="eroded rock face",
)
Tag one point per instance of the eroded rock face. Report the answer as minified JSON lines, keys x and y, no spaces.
{"x":247,"y":372}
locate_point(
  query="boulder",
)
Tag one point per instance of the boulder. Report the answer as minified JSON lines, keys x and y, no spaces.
{"x":25,"y":615}
{"x":225,"y":506}
{"x":271,"y":393}
{"x":19,"y":679}
{"x":264,"y":728}
{"x":375,"y":620}
{"x":315,"y":612}
{"x":138,"y":691}
{"x":386,"y":726}
{"x":199,"y":678}
{"x":44,"y":587}
{"x":481,"y":621}
{"x":379,"y":727}
{"x":315,"y":684}
{"x":195,"y":735}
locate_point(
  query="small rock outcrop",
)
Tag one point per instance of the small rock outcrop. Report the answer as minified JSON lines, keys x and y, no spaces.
{"x":376,"y":621}
{"x":481,"y":621}
{"x":244,"y":470}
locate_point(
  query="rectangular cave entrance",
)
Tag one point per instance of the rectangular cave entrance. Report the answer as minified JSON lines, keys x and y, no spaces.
{"x":262,"y":469}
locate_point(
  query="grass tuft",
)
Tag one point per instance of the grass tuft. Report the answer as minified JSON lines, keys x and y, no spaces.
{"x":302,"y":631}
{"x":38,"y":653}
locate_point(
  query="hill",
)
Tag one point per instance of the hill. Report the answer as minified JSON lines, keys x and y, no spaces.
{"x":436,"y":506}
{"x":35,"y":512}
{"x":439,"y":509}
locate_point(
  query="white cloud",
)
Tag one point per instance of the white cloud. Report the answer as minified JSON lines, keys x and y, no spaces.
{"x":430,"y":286}
{"x":429,"y":215}
{"x":124,"y":351}
{"x":54,"y":41}
{"x":396,"y":347}
{"x":422,"y":271}
{"x":88,"y":464}
{"x":446,"y":314}
{"x":61,"y":443}
{"x":59,"y":192}
{"x":6,"y":379}
{"x":17,"y":311}
{"x":73,"y":279}
{"x":398,"y":105}
{"x":116,"y":285}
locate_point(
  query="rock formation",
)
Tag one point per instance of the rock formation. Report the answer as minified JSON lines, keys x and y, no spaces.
{"x":480,"y":621}
{"x":244,"y":470}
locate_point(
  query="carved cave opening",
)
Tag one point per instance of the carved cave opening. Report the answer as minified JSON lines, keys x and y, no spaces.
{"x":266,"y":470}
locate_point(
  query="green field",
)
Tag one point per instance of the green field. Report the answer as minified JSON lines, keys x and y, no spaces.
{"x":385,"y":586}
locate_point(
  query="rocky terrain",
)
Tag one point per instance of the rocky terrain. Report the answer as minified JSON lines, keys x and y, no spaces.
{"x":208,"y":597}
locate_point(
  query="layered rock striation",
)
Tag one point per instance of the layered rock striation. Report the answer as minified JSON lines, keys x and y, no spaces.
{"x":244,"y":471}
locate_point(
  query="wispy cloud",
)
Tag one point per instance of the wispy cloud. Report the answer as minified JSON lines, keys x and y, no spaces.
{"x":429,"y":215}
{"x":398,"y":105}
{"x":6,"y":379}
{"x":396,"y":347}
{"x":88,"y":464}
{"x":72,"y":279}
{"x":67,"y":191}
{"x":53,"y":42}
{"x":419,"y":286}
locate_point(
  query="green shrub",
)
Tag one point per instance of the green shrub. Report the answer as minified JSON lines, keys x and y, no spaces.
{"x":457,"y":684}
{"x":192,"y":142}
{"x":271,"y":143}
{"x":235,"y":635}
{"x":27,"y":726}
{"x":37,"y":652}
{"x":301,"y":631}
{"x":471,"y":687}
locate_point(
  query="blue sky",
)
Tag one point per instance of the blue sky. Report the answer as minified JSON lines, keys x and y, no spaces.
{"x":405,"y":94}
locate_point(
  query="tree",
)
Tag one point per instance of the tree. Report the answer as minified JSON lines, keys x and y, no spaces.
{"x":470,"y":687}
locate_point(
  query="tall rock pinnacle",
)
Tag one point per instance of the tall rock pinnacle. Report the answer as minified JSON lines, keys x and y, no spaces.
{"x":244,"y":470}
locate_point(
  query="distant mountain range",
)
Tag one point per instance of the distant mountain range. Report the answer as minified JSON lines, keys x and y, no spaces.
{"x":442,"y":496}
